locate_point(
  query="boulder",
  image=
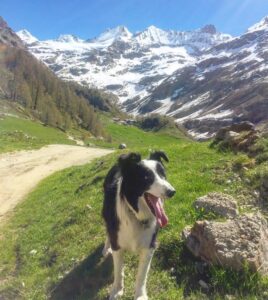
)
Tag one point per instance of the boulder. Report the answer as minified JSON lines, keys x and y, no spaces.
{"x":237,"y":127}
{"x":122,"y":146}
{"x":219,"y":204}
{"x":231,"y":244}
{"x":237,"y":137}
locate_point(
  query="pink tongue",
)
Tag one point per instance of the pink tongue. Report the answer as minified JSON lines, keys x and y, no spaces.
{"x":161,"y":216}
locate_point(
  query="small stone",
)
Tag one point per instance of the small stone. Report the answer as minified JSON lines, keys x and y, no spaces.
{"x":33,"y":252}
{"x":203,"y":284}
{"x":256,"y":193}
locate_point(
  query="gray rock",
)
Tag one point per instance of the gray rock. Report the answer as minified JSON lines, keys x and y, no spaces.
{"x":218,"y":203}
{"x":203,"y":284}
{"x":231,"y":244}
{"x":122,"y":146}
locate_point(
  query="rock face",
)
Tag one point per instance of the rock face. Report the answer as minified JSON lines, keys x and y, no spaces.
{"x":218,"y":203}
{"x":8,"y":36}
{"x":237,"y":137}
{"x":231,"y":244}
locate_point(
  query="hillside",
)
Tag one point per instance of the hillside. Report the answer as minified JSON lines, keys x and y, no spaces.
{"x":31,"y":84}
{"x":51,"y":246}
{"x":203,"y":78}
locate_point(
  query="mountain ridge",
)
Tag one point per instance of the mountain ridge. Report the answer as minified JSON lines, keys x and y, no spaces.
{"x":189,"y":75}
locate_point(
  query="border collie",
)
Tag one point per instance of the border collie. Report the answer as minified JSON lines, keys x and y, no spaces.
{"x":134,"y":193}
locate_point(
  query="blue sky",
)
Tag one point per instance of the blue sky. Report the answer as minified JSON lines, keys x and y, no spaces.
{"x":87,"y":18}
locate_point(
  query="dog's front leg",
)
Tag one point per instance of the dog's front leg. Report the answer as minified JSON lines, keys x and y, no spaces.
{"x":144,"y":266}
{"x":118,"y":285}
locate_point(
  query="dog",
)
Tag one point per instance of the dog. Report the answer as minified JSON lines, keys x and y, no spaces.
{"x":133,"y":211}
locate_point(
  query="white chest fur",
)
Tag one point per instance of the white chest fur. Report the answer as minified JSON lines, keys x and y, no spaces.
{"x":133,"y":234}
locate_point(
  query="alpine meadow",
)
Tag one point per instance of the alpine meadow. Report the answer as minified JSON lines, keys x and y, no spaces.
{"x":134,"y":160}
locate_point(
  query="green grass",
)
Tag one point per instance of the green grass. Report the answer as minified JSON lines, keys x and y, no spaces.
{"x":134,"y":137}
{"x":18,"y":133}
{"x":51,"y":246}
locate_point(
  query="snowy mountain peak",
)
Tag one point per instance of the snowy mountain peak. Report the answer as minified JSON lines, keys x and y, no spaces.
{"x":69,"y":38}
{"x":117,"y":33}
{"x":262,"y":25}
{"x":209,"y":29}
{"x":26,"y":36}
{"x":152,"y":35}
{"x":153,"y":29}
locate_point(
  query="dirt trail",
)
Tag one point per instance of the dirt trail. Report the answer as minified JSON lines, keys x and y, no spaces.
{"x":21,"y":171}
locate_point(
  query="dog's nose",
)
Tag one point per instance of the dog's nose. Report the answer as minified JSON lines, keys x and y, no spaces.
{"x":170,"y":193}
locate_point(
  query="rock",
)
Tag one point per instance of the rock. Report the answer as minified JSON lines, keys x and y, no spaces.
{"x":231,"y":244}
{"x":237,"y":137}
{"x":237,"y":128}
{"x":203,"y":284}
{"x":218,"y":203}
{"x":122,"y":146}
{"x":33,"y":252}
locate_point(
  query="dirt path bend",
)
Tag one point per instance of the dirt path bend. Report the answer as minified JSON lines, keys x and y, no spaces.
{"x":21,"y":171}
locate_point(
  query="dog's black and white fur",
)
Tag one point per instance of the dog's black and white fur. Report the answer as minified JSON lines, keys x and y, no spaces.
{"x":133,"y":211}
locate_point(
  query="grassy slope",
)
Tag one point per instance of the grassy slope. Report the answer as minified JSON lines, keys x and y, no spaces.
{"x":51,"y":247}
{"x":18,"y":133}
{"x":135,"y":137}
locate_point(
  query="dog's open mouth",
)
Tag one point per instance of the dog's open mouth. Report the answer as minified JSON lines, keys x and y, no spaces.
{"x":156,"y":206}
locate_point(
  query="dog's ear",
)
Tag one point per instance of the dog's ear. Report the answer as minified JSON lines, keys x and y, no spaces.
{"x":159,"y":155}
{"x":129,"y":159}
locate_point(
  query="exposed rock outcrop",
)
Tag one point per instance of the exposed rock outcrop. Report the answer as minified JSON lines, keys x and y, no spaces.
{"x":8,"y":36}
{"x":219,"y":204}
{"x":231,"y":244}
{"x":237,"y":137}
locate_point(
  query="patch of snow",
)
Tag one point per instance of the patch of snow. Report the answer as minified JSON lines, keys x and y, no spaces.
{"x":191,"y":116}
{"x":262,"y":25}
{"x":26,"y":36}
{"x":200,"y":136}
{"x":204,"y":97}
{"x":218,"y":115}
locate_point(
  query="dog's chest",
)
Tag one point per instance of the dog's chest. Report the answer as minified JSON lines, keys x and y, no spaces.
{"x":134,"y":235}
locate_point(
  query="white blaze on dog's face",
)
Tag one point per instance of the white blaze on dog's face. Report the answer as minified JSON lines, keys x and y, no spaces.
{"x":145,"y":187}
{"x":159,"y":190}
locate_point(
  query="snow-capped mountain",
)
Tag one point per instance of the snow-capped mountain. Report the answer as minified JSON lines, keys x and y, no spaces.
{"x":229,"y":82}
{"x":202,"y":78}
{"x":26,"y":36}
{"x":129,"y":65}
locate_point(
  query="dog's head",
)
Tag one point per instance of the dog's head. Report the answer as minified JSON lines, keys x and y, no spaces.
{"x":144,"y":185}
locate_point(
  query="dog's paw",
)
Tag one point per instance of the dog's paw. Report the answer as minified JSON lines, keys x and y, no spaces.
{"x":115,"y":294}
{"x":106,"y":251}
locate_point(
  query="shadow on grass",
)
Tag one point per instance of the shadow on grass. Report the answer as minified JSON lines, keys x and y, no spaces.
{"x":187,"y":269}
{"x":86,"y":280}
